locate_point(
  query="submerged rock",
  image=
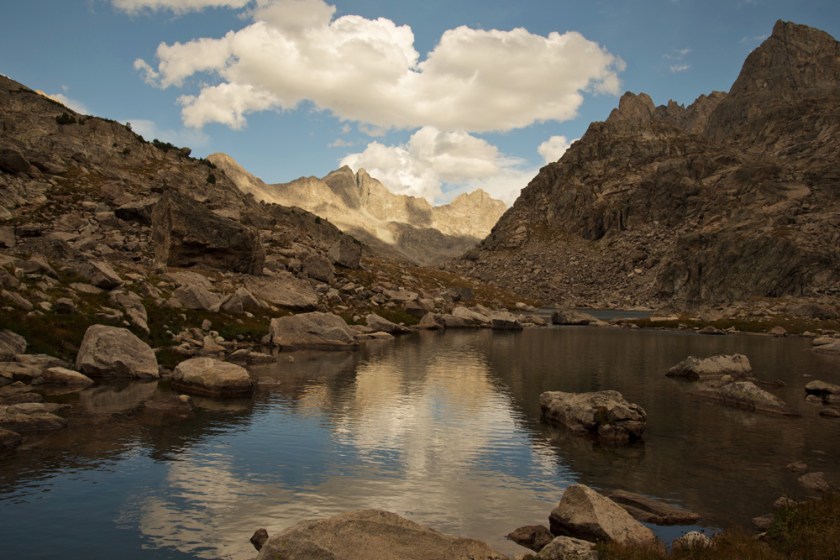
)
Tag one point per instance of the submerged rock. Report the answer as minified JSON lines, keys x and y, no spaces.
{"x":210,"y":377}
{"x":586,"y":514}
{"x":715,"y":367}
{"x":604,"y":414}
{"x":650,"y":510}
{"x":746,"y":395}
{"x":370,"y":535}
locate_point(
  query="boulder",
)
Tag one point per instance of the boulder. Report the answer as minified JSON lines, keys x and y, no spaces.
{"x":534,"y":537}
{"x":315,"y":330}
{"x":815,"y":482}
{"x":139,"y":211}
{"x":187,"y":233}
{"x":99,"y":274}
{"x":828,"y":393}
{"x":259,"y":538}
{"x":604,"y":414}
{"x":714,"y":367}
{"x":284,"y":290}
{"x":568,"y":548}
{"x":62,"y":376}
{"x":12,"y":161}
{"x":370,"y":535}
{"x":11,"y":344}
{"x":585,"y":514}
{"x":650,"y":510}
{"x":194,"y":296}
{"x":692,"y":539}
{"x":346,"y":252}
{"x":746,"y":395}
{"x":377,"y":323}
{"x":212,"y":378}
{"x":319,"y":267}
{"x":7,"y":237}
{"x":115,"y":352}
{"x":472,"y":316}
{"x":572,"y":317}
{"x":9,"y":440}
{"x":505,"y":322}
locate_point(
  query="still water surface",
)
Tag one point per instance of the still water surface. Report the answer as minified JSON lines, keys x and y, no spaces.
{"x":442,"y":428}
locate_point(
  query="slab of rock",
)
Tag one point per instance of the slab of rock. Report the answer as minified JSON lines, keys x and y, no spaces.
{"x":568,"y":548}
{"x":715,"y":367}
{"x":745,"y":395}
{"x":9,"y":440}
{"x":371,"y":535}
{"x":115,"y":352}
{"x":11,"y":344}
{"x":197,"y":297}
{"x":100,"y":274}
{"x":815,"y":482}
{"x":284,"y":290}
{"x":245,"y":356}
{"x":319,"y":267}
{"x":186,"y":233}
{"x":832,"y":348}
{"x":212,"y":378}
{"x":315,"y":330}
{"x":535,"y":537}
{"x":62,"y":376}
{"x":139,"y":211}
{"x":604,"y":414}
{"x":22,"y":421}
{"x":650,"y":510}
{"x":585,"y":514}
{"x":378,"y":323}
{"x":473,"y":316}
{"x":572,"y":317}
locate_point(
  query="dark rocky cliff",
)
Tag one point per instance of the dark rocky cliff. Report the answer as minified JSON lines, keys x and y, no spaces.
{"x":734,"y":197}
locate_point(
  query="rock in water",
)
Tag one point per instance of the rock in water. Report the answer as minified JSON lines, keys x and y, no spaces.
{"x":210,"y":377}
{"x":568,"y":548}
{"x":186,"y":233}
{"x":585,"y":514}
{"x":534,"y":537}
{"x":650,"y":510}
{"x":370,"y":535}
{"x":736,"y":365}
{"x":604,"y":414}
{"x":316,"y":330}
{"x":115,"y":352}
{"x":746,"y":395}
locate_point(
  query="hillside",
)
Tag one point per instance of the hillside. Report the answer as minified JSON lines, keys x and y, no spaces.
{"x":391,"y":224}
{"x":732,"y":198}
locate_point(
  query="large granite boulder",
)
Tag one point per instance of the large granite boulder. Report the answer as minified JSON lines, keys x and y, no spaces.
{"x":316,"y":330}
{"x":187,"y":233}
{"x":714,"y":367}
{"x":319,"y":267}
{"x":370,"y":535}
{"x":210,"y":377}
{"x":346,"y":252}
{"x":378,"y":323}
{"x":535,"y":537}
{"x":284,"y":290}
{"x":604,"y":414}
{"x":195,"y":296}
{"x":11,"y":344}
{"x":585,"y":514}
{"x":115,"y":352}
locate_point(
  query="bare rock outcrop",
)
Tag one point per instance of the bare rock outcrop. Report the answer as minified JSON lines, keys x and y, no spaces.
{"x":370,"y":535}
{"x":603,"y":414}
{"x":714,"y":367}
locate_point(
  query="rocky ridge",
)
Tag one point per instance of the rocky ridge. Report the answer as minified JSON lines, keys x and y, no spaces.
{"x":735,"y":197}
{"x":391,"y":224}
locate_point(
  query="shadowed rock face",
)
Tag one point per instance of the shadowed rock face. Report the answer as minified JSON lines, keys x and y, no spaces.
{"x":390,"y":224}
{"x":735,"y":196}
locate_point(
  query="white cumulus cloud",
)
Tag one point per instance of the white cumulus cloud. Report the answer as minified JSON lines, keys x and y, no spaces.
{"x":368,"y":71}
{"x":553,"y":148}
{"x":439,"y":165}
{"x":176,"y":6}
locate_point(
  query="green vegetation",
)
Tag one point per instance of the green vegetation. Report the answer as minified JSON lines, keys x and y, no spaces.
{"x":64,"y":119}
{"x":808,"y":531}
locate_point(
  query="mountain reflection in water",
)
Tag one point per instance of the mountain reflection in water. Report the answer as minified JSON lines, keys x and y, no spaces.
{"x":441,"y":428}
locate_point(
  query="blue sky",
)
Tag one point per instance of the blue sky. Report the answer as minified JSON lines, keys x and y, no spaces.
{"x":433,"y":97}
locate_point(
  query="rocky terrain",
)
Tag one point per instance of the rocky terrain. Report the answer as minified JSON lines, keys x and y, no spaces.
{"x":733,"y":199}
{"x":392,"y":225}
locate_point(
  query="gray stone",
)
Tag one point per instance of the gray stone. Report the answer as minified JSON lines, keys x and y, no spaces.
{"x":319,"y":267}
{"x":283,"y":290}
{"x":650,"y":510}
{"x":62,"y":376}
{"x":12,"y":161}
{"x":535,"y":537}
{"x":604,"y":414}
{"x":346,"y":252}
{"x":194,"y":296}
{"x":316,"y":330}
{"x":745,"y":395}
{"x":11,"y":344}
{"x":370,"y":535}
{"x":571,"y":317}
{"x":378,"y":323}
{"x":26,"y":422}
{"x":17,"y":300}
{"x":714,"y":367}
{"x":568,"y":548}
{"x":139,"y":211}
{"x":815,"y":482}
{"x":100,"y":274}
{"x":585,"y":514}
{"x":115,"y":352}
{"x":212,"y":378}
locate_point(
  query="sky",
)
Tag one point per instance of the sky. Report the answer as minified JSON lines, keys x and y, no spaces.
{"x":434,"y":98}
